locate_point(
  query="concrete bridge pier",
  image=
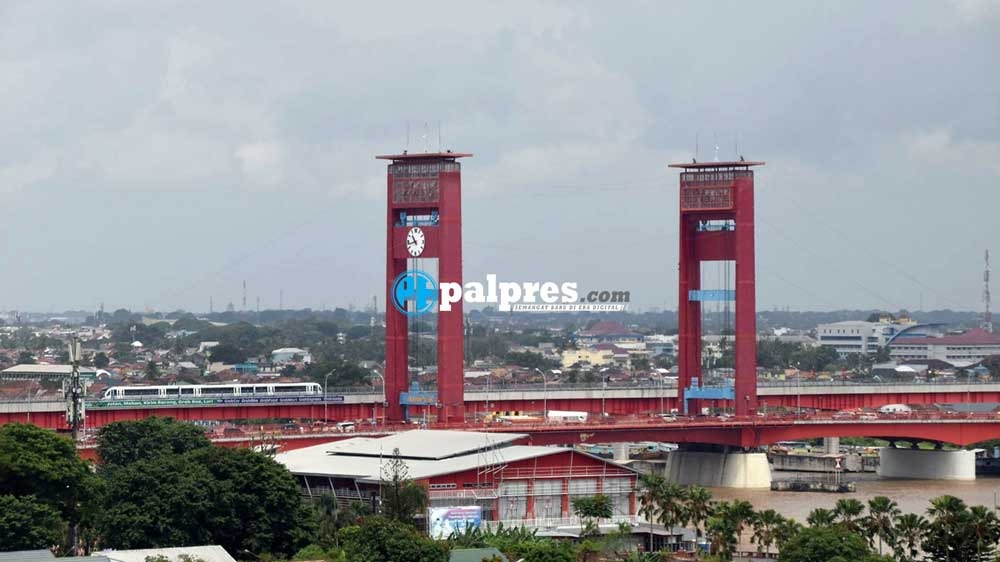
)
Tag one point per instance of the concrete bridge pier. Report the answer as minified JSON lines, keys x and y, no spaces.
{"x":924,"y":464}
{"x":831,"y":445}
{"x":719,"y":468}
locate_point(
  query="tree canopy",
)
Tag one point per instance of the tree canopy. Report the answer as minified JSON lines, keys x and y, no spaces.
{"x":123,"y":443}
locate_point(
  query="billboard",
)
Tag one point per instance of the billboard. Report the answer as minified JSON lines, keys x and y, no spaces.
{"x":442,"y":521}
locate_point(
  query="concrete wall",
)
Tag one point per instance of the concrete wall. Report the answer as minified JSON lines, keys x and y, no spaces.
{"x":722,"y":470}
{"x":920,"y":464}
{"x":850,"y":462}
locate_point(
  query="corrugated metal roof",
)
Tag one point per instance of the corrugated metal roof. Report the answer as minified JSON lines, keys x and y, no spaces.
{"x":208,"y":553}
{"x":27,"y":556}
{"x":315,"y":461}
{"x":426,"y":444}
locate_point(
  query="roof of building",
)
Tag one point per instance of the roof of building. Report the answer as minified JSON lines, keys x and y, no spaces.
{"x":975,"y":336}
{"x":607,"y":328}
{"x":434,"y":453}
{"x":289,"y":350}
{"x":425,"y":444}
{"x":423,"y":155}
{"x":41,"y":369}
{"x":317,"y":461}
{"x":45,"y":556}
{"x":27,"y":555}
{"x":208,"y":553}
{"x":709,"y":165}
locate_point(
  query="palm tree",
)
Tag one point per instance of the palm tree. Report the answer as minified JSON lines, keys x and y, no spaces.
{"x":671,"y":504}
{"x":909,"y":534}
{"x":742,"y":514}
{"x":652,"y":490}
{"x":766,"y":525}
{"x":788,"y":528}
{"x":721,"y":531}
{"x":985,"y":527}
{"x":699,"y":507}
{"x":946,"y":508}
{"x":882,"y":512}
{"x":848,"y":513}
{"x":820,"y":517}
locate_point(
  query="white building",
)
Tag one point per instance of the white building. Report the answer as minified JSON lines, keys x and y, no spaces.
{"x":859,"y":336}
{"x":290,"y":354}
{"x":960,"y":350}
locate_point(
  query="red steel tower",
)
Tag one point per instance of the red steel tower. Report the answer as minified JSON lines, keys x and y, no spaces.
{"x":424,"y":220}
{"x":717,"y":224}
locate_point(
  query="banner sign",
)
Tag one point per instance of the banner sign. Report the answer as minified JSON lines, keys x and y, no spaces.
{"x":712,"y":295}
{"x":442,"y":521}
{"x":233,"y":401}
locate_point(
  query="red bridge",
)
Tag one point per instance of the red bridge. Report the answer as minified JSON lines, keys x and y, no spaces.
{"x":617,"y":401}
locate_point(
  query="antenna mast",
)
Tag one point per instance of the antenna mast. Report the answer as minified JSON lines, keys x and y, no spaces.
{"x":987,"y":315}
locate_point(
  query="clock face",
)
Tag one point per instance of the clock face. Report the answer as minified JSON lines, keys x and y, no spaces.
{"x":415,"y":241}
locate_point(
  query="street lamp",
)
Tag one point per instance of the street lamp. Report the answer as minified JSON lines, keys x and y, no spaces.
{"x":604,"y":391}
{"x":545,"y":395}
{"x":326,"y":398}
{"x":660,"y":379}
{"x":374,"y":415}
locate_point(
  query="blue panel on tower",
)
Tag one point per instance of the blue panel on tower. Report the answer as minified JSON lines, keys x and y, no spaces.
{"x":712,"y":295}
{"x":709,"y":393}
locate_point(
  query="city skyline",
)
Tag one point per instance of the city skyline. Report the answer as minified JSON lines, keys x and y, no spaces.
{"x":189,"y":158}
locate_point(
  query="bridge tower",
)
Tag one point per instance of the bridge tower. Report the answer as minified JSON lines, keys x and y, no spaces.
{"x":717,"y":224}
{"x":424,"y":220}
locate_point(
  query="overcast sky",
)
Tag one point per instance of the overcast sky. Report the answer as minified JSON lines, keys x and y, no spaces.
{"x":157,"y":154}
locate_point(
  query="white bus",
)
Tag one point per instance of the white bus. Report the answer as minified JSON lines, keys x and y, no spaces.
{"x":566,"y":416}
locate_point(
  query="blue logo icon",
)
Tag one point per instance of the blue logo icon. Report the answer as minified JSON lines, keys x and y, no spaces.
{"x":414,"y":286}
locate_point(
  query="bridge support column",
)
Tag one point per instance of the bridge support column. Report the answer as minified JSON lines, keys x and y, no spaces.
{"x":620,"y":452}
{"x":718,"y":469}
{"x":922,"y":464}
{"x":831,"y":445}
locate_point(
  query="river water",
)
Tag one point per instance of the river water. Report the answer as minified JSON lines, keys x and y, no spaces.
{"x":913,"y":496}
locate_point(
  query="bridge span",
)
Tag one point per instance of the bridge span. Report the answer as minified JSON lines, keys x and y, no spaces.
{"x":615,"y":400}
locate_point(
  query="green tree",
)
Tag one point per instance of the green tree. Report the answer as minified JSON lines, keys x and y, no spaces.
{"x":228,"y":353}
{"x":721,"y":532}
{"x":590,"y":510}
{"x":37,"y":462}
{"x":402,"y":498}
{"x":152,"y":370}
{"x":379,"y":539}
{"x":25,"y":358}
{"x":909,"y":533}
{"x":28,"y":524}
{"x":698,"y":508}
{"x":821,"y":517}
{"x":950,"y":536}
{"x":101,"y":360}
{"x":257,"y":505}
{"x":671,"y":504}
{"x":123,"y":443}
{"x":848,"y":512}
{"x":880,"y":523}
{"x":766,"y":525}
{"x":650,"y":488}
{"x":825,"y":544}
{"x":236,"y":498}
